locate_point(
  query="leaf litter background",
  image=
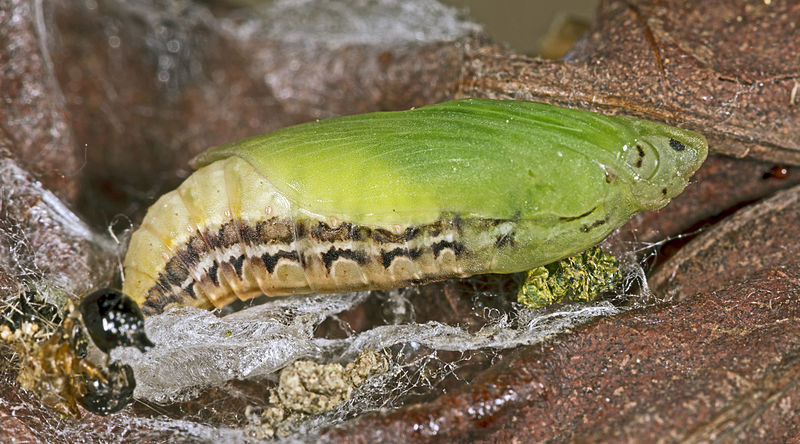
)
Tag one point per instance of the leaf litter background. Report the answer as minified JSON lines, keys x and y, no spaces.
{"x":104,"y":101}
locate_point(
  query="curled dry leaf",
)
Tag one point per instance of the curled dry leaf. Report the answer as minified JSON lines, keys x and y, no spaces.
{"x":757,"y":237}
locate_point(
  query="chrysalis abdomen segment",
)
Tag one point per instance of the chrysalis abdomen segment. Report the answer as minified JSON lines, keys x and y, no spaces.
{"x":226,"y":233}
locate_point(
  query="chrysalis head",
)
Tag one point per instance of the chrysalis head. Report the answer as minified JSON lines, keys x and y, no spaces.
{"x":660,"y":160}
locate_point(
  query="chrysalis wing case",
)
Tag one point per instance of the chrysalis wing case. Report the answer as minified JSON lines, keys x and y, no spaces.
{"x":395,"y":198}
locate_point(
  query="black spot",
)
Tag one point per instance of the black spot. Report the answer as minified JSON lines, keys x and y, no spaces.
{"x":388,"y":256}
{"x":457,"y":247}
{"x":249,"y":234}
{"x":113,"y":319}
{"x":434,"y":229}
{"x":358,"y":233}
{"x":152,"y":307}
{"x":237,"y":262}
{"x":163,"y":283}
{"x":597,"y":223}
{"x":640,"y":160}
{"x":457,"y":224}
{"x":174,"y":275}
{"x":212,"y":240}
{"x":411,"y":233}
{"x":664,"y":191}
{"x":335,"y":253}
{"x":157,"y":299}
{"x":189,"y":254}
{"x":212,"y":273}
{"x":299,"y":230}
{"x":271,"y":260}
{"x":676,"y":145}
{"x":505,"y":240}
{"x":189,"y":289}
{"x":162,"y":286}
{"x":176,"y":272}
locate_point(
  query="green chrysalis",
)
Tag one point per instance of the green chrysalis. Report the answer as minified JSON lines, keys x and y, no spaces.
{"x":390,"y":199}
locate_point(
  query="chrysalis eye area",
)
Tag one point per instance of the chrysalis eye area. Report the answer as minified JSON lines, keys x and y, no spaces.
{"x":642,"y":159}
{"x":676,"y":145}
{"x":113,"y":319}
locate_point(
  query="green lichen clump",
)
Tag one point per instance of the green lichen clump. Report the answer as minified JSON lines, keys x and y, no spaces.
{"x":579,"y":278}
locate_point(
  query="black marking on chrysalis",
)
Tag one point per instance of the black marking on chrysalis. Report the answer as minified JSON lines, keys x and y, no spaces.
{"x":335,"y":253}
{"x":176,"y":273}
{"x":212,"y":273}
{"x":505,"y":240}
{"x":388,"y":256}
{"x":190,"y":255}
{"x":640,"y":160}
{"x":299,"y":230}
{"x":271,"y":260}
{"x":676,"y":145}
{"x":189,"y":289}
{"x":457,"y":247}
{"x":237,"y":262}
{"x":586,"y":228}
{"x":458,"y":224}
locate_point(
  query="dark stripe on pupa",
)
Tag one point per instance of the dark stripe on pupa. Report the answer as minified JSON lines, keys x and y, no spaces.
{"x":271,"y":260}
{"x":388,"y":256}
{"x":335,"y":253}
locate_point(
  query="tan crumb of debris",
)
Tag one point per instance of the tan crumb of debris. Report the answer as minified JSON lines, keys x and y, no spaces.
{"x":307,"y":388}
